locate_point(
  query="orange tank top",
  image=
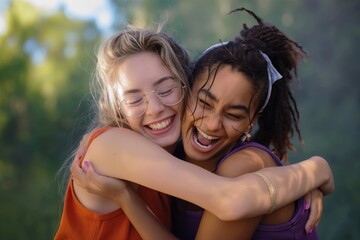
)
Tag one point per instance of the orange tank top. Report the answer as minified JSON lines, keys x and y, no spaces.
{"x":78,"y":222}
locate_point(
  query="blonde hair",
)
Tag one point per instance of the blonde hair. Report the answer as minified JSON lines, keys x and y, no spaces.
{"x":105,"y":87}
{"x":117,"y":48}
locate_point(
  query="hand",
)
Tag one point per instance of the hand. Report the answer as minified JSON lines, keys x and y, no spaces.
{"x":87,"y":178}
{"x":314,"y":201}
{"x":82,"y":147}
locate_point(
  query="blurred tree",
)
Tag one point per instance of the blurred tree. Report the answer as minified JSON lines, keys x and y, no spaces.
{"x":330,"y":104}
{"x":45,"y":66}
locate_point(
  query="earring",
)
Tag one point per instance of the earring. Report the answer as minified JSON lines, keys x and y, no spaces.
{"x":246,"y":137}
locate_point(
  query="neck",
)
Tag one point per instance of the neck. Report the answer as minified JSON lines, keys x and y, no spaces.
{"x":170,"y":149}
{"x":211,"y":163}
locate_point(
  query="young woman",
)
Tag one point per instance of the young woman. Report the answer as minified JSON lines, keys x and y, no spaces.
{"x":146,"y":73}
{"x":237,"y":84}
{"x":115,"y":153}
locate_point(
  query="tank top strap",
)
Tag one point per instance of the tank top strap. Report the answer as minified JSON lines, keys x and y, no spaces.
{"x":95,"y":133}
{"x":244,"y":145}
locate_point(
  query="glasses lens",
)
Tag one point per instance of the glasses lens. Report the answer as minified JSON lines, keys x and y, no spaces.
{"x":134,"y":105}
{"x":170,"y":93}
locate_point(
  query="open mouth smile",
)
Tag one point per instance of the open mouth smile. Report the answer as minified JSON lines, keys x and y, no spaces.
{"x":160,"y":125}
{"x":204,"y":141}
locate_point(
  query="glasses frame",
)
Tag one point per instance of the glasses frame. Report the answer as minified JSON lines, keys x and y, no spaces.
{"x":181,"y":87}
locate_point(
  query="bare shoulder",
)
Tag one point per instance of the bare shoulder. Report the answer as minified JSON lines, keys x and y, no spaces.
{"x":244,"y":161}
{"x":116,"y":136}
{"x":119,"y":132}
{"x":108,"y":143}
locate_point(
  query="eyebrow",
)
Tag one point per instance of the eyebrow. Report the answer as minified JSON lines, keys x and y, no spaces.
{"x":157,"y":83}
{"x":163,"y":79}
{"x":215,"y":99}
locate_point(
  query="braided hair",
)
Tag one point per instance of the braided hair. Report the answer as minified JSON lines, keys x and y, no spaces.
{"x":280,"y":118}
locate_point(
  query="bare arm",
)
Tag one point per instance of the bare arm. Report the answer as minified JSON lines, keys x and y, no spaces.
{"x":239,"y":163}
{"x":211,"y":227}
{"x":145,"y":223}
{"x":290,"y":183}
{"x":121,"y":153}
{"x":119,"y":191}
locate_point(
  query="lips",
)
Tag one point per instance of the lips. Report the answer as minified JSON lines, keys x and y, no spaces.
{"x":202,"y":141}
{"x":161,"y":127}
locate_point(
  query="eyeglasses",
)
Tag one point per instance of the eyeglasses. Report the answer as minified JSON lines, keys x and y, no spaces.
{"x":169,"y":94}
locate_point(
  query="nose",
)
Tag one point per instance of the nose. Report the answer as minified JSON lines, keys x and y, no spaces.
{"x":212,"y":121}
{"x":154,"y":106}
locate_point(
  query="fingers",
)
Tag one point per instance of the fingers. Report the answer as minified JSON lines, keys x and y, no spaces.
{"x":94,"y":181}
{"x":103,"y":183}
{"x":310,"y":222}
{"x":316,"y":208}
{"x":80,"y":151}
{"x":87,"y":178}
{"x":82,"y":146}
{"x":82,"y":176}
{"x":78,"y":175}
{"x":91,"y":175}
{"x":307,"y":198}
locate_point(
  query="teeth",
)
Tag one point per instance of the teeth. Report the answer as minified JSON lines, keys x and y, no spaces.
{"x":206,"y":136}
{"x":160,"y":125}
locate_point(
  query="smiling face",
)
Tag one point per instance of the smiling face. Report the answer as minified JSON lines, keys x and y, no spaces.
{"x":223,"y":112}
{"x":142,"y":75}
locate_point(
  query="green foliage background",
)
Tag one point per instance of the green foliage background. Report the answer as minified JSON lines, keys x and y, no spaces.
{"x":46,"y":62}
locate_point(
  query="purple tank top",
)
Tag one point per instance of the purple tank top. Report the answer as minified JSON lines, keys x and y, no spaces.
{"x":185,"y":222}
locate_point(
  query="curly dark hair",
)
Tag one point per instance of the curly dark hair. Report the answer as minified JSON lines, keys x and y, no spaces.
{"x":280,"y":118}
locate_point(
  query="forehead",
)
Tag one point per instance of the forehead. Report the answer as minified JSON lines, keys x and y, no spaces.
{"x":141,"y":70}
{"x":229,"y":84}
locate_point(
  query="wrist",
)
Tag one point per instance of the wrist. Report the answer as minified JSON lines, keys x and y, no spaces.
{"x":121,"y":198}
{"x":327,"y":185}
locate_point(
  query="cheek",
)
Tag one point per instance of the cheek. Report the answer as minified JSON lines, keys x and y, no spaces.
{"x":178,"y":109}
{"x":135,"y":124}
{"x":186,"y":120}
{"x":235,"y":135}
{"x":190,"y":105}
{"x":195,"y":109}
{"x":235,"y":131}
{"x":192,"y":116}
{"x":187,"y":124}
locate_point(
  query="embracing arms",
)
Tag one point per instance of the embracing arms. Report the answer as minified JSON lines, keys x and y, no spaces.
{"x":290,"y":183}
{"x":242,"y":162}
{"x":116,"y":153}
{"x":125,"y":196}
